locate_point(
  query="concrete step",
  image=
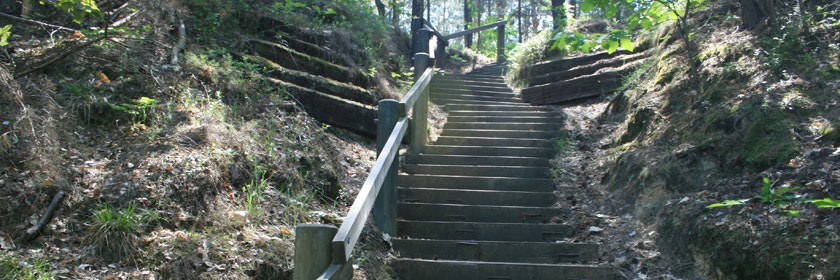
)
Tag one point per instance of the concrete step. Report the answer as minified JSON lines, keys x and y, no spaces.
{"x":490,"y":151}
{"x":501,"y":114}
{"x":445,"y":101}
{"x":476,"y":183}
{"x":497,"y":251}
{"x":476,"y":197}
{"x":473,"y":92}
{"x":509,"y":99}
{"x":476,"y":160}
{"x":411,"y":269}
{"x":518,"y":108}
{"x":489,"y":141}
{"x":504,"y":119}
{"x":501,"y":133}
{"x":453,"y":82}
{"x":476,"y":213}
{"x":502,"y":126}
{"x":484,"y":79}
{"x":478,"y":170}
{"x":467,"y":87}
{"x":483,"y":231}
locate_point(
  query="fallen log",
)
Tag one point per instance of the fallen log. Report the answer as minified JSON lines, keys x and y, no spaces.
{"x":35,"y":230}
{"x":585,"y":69}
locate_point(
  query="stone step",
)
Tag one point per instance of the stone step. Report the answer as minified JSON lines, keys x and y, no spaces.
{"x":502,"y":114}
{"x":411,"y":269}
{"x":502,"y":126}
{"x":473,"y":92}
{"x":476,"y":183}
{"x":485,"y":79}
{"x":467,"y":96}
{"x":504,"y":119}
{"x":483,"y":231}
{"x":444,"y":101}
{"x":497,"y":251}
{"x":490,"y":151}
{"x":478,"y":170}
{"x":518,"y":108}
{"x":476,"y":213}
{"x":476,"y":197}
{"x":476,"y":160}
{"x":488,"y":141}
{"x":501,"y":133}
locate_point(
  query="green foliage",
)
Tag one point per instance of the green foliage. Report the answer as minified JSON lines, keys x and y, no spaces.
{"x":5,"y":31}
{"x":728,"y":203}
{"x":825,"y":203}
{"x":254,"y":190}
{"x":79,"y":8}
{"x":13,"y":269}
{"x":128,"y":220}
{"x":646,"y":14}
{"x":137,"y":108}
{"x":769,"y":141}
{"x":778,"y":199}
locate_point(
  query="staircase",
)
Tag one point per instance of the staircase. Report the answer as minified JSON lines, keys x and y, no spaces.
{"x":477,"y":204}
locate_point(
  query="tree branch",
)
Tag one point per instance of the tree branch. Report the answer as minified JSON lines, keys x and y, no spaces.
{"x":35,"y":22}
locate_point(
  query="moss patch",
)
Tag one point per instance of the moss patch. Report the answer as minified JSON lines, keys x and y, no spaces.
{"x":769,"y":140}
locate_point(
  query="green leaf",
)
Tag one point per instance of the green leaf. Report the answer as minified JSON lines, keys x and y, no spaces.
{"x":790,"y":213}
{"x":627,"y":44}
{"x":727,"y":203}
{"x":646,"y":23}
{"x":825,"y":203}
{"x":765,"y":189}
{"x":612,"y":46}
{"x":5,"y":31}
{"x":587,"y":5}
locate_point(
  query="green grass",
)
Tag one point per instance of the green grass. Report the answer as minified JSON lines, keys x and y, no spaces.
{"x":13,"y":269}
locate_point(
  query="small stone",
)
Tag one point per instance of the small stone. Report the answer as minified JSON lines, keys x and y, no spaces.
{"x":683,"y":200}
{"x":595,"y":229}
{"x":130,"y":165}
{"x":632,"y":234}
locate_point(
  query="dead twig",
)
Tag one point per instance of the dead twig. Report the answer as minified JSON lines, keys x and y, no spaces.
{"x":35,"y":22}
{"x":182,"y":42}
{"x":67,"y":54}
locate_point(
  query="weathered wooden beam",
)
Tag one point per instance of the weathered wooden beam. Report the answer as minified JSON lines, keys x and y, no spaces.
{"x":385,"y":207}
{"x":351,"y":228}
{"x":313,"y":250}
{"x":420,"y":109}
{"x":474,"y":30}
{"x":338,"y":272}
{"x":500,"y":44}
{"x":417,"y":89}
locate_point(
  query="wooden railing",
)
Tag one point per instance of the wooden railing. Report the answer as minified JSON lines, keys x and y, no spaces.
{"x":324,"y":251}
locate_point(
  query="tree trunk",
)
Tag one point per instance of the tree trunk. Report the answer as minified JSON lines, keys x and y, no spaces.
{"x":417,"y":7}
{"x":380,"y":7}
{"x":478,"y":23}
{"x":757,"y":14}
{"x":429,"y":11}
{"x":558,"y":14}
{"x":519,"y":18}
{"x":26,"y":8}
{"x":467,"y":21}
{"x":395,"y":13}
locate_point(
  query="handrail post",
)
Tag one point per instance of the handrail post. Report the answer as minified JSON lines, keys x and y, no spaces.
{"x":385,"y":207}
{"x":418,"y":124}
{"x":416,"y":26}
{"x":440,"y":53}
{"x":500,"y":44}
{"x":313,"y":253}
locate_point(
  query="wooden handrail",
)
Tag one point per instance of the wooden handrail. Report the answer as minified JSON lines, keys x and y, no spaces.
{"x":474,"y":30}
{"x":435,"y":31}
{"x":417,"y":90}
{"x":351,"y":228}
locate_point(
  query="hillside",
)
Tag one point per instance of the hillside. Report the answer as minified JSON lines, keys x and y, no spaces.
{"x":181,"y":146}
{"x":648,"y":154}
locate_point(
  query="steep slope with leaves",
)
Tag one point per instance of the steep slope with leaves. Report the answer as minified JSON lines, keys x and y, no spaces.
{"x":168,"y":152}
{"x":672,"y":141}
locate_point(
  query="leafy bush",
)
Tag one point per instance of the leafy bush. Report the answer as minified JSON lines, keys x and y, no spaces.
{"x":12,"y":269}
{"x":113,"y":233}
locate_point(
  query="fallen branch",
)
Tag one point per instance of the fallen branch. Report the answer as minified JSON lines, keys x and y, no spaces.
{"x":35,"y":22}
{"x":60,"y":57}
{"x":35,"y":230}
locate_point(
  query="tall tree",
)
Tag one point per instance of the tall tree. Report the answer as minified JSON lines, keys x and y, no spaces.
{"x":380,"y":7}
{"x":757,"y":14}
{"x":467,"y":22}
{"x":558,"y":14}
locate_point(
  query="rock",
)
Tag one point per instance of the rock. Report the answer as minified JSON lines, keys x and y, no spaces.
{"x":594,"y":229}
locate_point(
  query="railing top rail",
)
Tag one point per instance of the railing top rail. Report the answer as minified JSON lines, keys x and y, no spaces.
{"x":474,"y":30}
{"x":417,"y":89}
{"x":348,"y":234}
{"x":437,"y":33}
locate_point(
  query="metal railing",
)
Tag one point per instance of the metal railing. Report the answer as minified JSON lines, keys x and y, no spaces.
{"x":324,"y":251}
